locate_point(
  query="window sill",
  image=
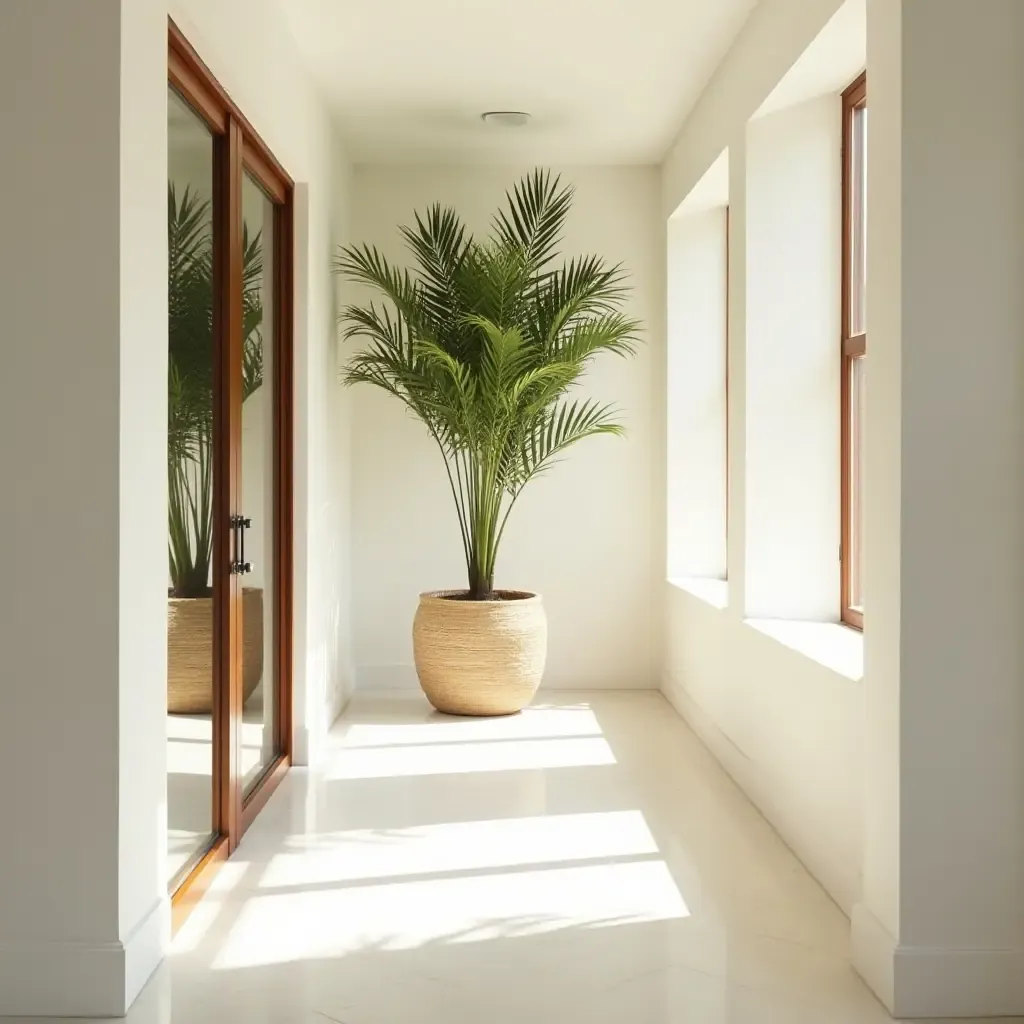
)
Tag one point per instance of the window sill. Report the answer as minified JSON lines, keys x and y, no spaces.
{"x":836,"y":646}
{"x":710,"y":591}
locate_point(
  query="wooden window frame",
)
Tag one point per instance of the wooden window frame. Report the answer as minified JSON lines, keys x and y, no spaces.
{"x":238,"y":149}
{"x":853,"y":347}
{"x":728,"y":434}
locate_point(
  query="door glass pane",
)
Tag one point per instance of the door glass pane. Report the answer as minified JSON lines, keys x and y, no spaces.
{"x":858,"y":405}
{"x":259,"y":675}
{"x":859,"y":221}
{"x":190,"y":661}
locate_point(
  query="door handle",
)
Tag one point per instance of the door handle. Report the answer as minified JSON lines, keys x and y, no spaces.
{"x":239,"y":525}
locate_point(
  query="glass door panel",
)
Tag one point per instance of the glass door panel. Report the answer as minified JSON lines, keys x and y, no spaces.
{"x":260,"y":713}
{"x":191,"y":678}
{"x":229,"y":467}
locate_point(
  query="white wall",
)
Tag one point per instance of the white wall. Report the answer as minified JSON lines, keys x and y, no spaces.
{"x":793,"y":232}
{"x":940,"y":929}
{"x":142,"y":503}
{"x":83,"y":896}
{"x":774,"y":38}
{"x":779,"y":703}
{"x":901,"y":786}
{"x":83,"y":903}
{"x":786,"y":727}
{"x":588,"y":536}
{"x":697,"y":277}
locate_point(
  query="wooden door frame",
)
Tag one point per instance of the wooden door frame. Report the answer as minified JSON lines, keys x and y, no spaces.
{"x":238,"y":148}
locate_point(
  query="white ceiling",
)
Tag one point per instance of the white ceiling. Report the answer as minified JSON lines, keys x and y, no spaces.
{"x":607,"y":81}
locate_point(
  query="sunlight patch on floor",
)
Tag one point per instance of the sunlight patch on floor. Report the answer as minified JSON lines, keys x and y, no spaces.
{"x":466,"y":846}
{"x":205,"y":913}
{"x":324,"y":923}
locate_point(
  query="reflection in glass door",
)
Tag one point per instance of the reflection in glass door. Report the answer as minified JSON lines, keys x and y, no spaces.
{"x":229,"y":474}
{"x":190,"y":477}
{"x":259,"y":746}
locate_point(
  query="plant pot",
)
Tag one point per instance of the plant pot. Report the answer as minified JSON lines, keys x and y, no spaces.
{"x":480,"y":657}
{"x":190,"y":651}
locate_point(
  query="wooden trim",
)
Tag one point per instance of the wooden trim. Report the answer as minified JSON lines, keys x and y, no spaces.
{"x":728,"y":290}
{"x":856,"y":93}
{"x":197,"y":884}
{"x":225,"y":591}
{"x":852,"y":347}
{"x":283,"y":526}
{"x":284,"y":463}
{"x":231,"y":395}
{"x":855,"y":346}
{"x":265,"y":175}
{"x":270,"y":780}
{"x":194,"y":91}
{"x":184,"y":56}
{"x":283,"y":531}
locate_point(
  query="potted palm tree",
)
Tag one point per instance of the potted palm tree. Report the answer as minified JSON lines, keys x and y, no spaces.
{"x":190,"y":450}
{"x":484,"y":341}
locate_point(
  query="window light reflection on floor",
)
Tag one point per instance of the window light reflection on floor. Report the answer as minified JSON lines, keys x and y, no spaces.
{"x":197,"y":758}
{"x":533,"y":723}
{"x":204,"y":915}
{"x":463,"y":758}
{"x":464,"y":846}
{"x":320,"y":923}
{"x":189,"y":758}
{"x":190,"y":745}
{"x":198,"y":729}
{"x":189,"y":727}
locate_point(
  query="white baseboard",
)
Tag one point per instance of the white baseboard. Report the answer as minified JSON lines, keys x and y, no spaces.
{"x":339,"y":701}
{"x":82,"y":979}
{"x":917,"y":981}
{"x":959,"y":982}
{"x":872,"y":950}
{"x":911,"y":981}
{"x":144,"y":948}
{"x":307,"y":741}
{"x":838,"y":878}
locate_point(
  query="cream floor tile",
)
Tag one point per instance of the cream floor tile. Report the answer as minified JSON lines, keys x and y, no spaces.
{"x":586,"y":862}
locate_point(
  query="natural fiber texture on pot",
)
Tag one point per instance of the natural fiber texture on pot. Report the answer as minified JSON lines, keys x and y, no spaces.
{"x":480,"y":657}
{"x":190,"y":651}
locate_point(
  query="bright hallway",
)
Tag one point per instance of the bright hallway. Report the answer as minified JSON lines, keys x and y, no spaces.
{"x":586,"y":861}
{"x":729,"y":714}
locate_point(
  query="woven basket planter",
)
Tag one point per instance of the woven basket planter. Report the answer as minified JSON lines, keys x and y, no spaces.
{"x":190,"y":651}
{"x":480,"y":657}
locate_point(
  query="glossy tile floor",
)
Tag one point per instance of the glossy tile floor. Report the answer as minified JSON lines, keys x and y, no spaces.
{"x":190,"y":777}
{"x":586,"y":862}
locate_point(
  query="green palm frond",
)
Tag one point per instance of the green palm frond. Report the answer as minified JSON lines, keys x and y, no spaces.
{"x":483,"y":341}
{"x":533,"y":222}
{"x":190,"y":370}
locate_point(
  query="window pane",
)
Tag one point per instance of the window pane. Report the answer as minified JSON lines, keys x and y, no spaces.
{"x":190,"y":675}
{"x":858,"y":392}
{"x":259,"y":673}
{"x":858,"y":221}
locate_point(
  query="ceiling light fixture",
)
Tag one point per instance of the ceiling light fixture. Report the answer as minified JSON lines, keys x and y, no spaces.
{"x":506,"y":118}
